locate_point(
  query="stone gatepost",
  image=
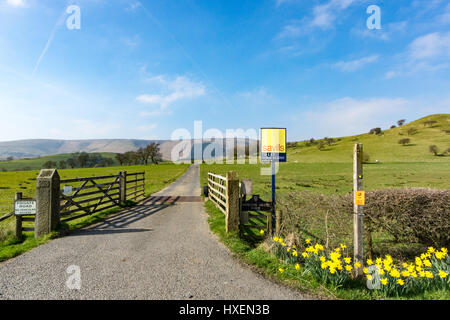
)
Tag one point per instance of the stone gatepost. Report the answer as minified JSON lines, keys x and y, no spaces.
{"x":47,"y":202}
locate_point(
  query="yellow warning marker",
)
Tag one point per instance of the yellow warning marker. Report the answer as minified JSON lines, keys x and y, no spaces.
{"x":360,"y":197}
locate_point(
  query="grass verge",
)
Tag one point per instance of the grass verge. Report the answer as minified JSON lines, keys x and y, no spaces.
{"x":255,"y":254}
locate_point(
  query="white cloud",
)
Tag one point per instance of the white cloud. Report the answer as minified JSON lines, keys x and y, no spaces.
{"x":16,"y":3}
{"x":354,"y":65}
{"x":148,"y":127}
{"x":429,"y":53}
{"x":180,"y":88}
{"x":133,"y":6}
{"x":349,"y":116}
{"x":430,"y":46}
{"x":323,"y":17}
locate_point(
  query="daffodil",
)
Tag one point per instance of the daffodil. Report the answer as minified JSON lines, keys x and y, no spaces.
{"x":305,"y":254}
{"x":369,"y":262}
{"x":261,"y":232}
{"x":297,"y":266}
{"x":443,"y":274}
{"x":281,"y":270}
{"x":400,"y":282}
{"x":394,"y":273}
{"x":348,"y":260}
{"x":357,"y":265}
{"x":308,"y":241}
{"x":348,"y":268}
{"x":384,"y":281}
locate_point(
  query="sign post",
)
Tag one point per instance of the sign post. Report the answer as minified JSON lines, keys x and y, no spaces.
{"x":359,"y":202}
{"x":273,"y":148}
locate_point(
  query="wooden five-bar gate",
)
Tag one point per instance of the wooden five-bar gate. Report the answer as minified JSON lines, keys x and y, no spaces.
{"x":69,"y":199}
{"x":95,"y":194}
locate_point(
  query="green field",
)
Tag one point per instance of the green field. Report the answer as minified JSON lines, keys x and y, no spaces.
{"x":157,"y":177}
{"x":332,"y":178}
{"x":37,"y":163}
{"x":330,"y":170}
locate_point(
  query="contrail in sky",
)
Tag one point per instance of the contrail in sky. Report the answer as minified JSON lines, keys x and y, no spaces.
{"x":59,"y":22}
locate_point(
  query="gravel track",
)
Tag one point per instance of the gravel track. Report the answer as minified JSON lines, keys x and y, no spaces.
{"x":151,"y":251}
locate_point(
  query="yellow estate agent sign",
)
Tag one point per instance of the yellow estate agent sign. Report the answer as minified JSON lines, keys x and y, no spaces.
{"x":273,"y":144}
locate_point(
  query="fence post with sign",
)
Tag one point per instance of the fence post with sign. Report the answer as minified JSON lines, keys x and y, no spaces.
{"x":47,"y":202}
{"x":359,"y":201}
{"x":273,"y":148}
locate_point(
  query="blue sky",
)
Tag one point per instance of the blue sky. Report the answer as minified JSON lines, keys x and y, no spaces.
{"x":141,"y":69}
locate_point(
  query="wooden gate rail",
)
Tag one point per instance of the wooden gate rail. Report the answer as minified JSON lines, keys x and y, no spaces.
{"x":138,"y":189}
{"x":85,"y":205}
{"x":217,"y":191}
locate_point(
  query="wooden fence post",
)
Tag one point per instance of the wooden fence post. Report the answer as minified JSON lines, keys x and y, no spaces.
{"x":47,"y":202}
{"x":269,"y":223}
{"x":232,"y":207}
{"x":18,"y":219}
{"x":279,"y":219}
{"x":358,"y":209}
{"x":123,"y":187}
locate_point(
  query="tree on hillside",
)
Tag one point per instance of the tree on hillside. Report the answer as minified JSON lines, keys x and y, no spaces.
{"x":62,"y":164}
{"x":154,"y":152}
{"x":429,"y":123}
{"x":83,"y":159}
{"x":71,"y":162}
{"x":393,"y":126}
{"x":143,"y":154}
{"x":329,"y":141}
{"x":120,"y":158}
{"x":401,"y":122}
{"x":321,"y":145}
{"x":376,"y":131}
{"x":433,"y":149}
{"x":404,"y":141}
{"x":10,"y":158}
{"x":130,"y":158}
{"x":49,"y":165}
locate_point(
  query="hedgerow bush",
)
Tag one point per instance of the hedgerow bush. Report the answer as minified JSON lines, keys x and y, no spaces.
{"x":411,"y":215}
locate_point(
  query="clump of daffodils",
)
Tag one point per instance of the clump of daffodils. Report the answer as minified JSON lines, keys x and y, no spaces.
{"x":430,"y":270}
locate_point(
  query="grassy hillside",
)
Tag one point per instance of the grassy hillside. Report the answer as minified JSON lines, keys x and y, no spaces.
{"x":384,"y":147}
{"x":37,"y":163}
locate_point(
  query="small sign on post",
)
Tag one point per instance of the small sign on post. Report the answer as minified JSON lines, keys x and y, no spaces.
{"x":25,"y":207}
{"x":360,"y":198}
{"x":68,"y":190}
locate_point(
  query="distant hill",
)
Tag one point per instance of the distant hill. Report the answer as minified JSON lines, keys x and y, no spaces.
{"x":430,"y":130}
{"x":43,"y":147}
{"x":33,"y":148}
